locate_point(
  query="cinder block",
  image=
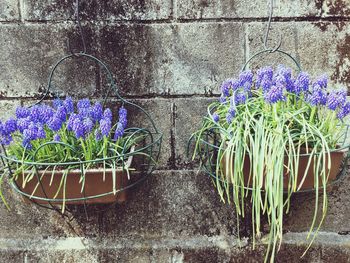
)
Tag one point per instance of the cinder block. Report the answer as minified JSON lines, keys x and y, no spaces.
{"x":172,"y":59}
{"x":9,"y":10}
{"x":189,"y":114}
{"x":319,"y":47}
{"x":8,"y":108}
{"x":44,"y":10}
{"x":170,"y":204}
{"x":340,"y":8}
{"x":207,"y":9}
{"x":28,"y":53}
{"x":338,"y":214}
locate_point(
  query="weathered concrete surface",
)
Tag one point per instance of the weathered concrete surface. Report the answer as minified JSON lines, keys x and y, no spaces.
{"x":157,"y":109}
{"x":172,"y":59}
{"x":45,"y":10}
{"x":320,"y":47}
{"x":338,"y":215}
{"x":7,"y":108}
{"x":9,"y":10}
{"x":195,"y":9}
{"x":28,"y":53}
{"x":197,"y":249}
{"x":189,"y":113}
{"x":169,"y":204}
{"x":336,"y":8}
{"x":203,"y":55}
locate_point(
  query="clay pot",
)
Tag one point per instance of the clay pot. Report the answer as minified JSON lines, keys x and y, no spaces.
{"x":94,"y":185}
{"x":336,"y":159}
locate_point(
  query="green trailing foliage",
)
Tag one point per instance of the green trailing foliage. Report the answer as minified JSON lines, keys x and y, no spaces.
{"x":257,"y":134}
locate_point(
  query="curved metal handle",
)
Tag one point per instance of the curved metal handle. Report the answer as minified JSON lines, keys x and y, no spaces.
{"x":87,"y":56}
{"x":269,"y":51}
{"x":110,"y":78}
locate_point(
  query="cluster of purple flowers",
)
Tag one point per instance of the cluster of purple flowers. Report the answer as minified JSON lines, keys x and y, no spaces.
{"x":38,"y":121}
{"x":277,"y":86}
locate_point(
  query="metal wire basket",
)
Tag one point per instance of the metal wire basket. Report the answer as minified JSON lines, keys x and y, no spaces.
{"x":142,"y":158}
{"x":209,"y":147}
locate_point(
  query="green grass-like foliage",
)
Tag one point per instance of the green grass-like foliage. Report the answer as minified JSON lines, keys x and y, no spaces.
{"x":270,"y":129}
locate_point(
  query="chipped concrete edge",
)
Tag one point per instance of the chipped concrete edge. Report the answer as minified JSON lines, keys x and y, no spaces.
{"x":328,"y":239}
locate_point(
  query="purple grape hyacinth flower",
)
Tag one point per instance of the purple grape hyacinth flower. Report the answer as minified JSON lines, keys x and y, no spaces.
{"x":10,"y":126}
{"x":222,"y":99}
{"x":240,"y":98}
{"x":264,"y":76}
{"x":27,"y":144}
{"x":119,"y":131}
{"x":56,"y":138}
{"x":232,"y":111}
{"x":71,"y":120}
{"x":98,"y":135}
{"x":336,"y":99}
{"x":317,"y":97}
{"x":83,"y":104}
{"x":57,"y":102}
{"x":5,"y":138}
{"x":35,"y":113}
{"x":22,"y":112}
{"x":344,"y":111}
{"x":23,"y":123}
{"x":123,"y":114}
{"x":31,"y":132}
{"x":321,"y":81}
{"x":55,"y":123}
{"x":229,"y":118}
{"x":61,"y":113}
{"x":225,"y":88}
{"x":68,"y":105}
{"x":96,"y":112}
{"x":245,"y":79}
{"x":105,"y":126}
{"x":107,"y":114}
{"x":274,"y":95}
{"x":215,"y":117}
{"x":78,"y":128}
{"x":88,"y":125}
{"x":45,"y":114}
{"x":41,"y":134}
{"x":283,"y":78}
{"x":301,"y":83}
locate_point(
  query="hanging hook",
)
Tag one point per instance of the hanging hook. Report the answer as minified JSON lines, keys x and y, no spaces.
{"x":77,"y":17}
{"x":268,"y":31}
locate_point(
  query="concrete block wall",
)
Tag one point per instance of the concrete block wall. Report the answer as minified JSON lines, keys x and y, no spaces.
{"x":171,"y":57}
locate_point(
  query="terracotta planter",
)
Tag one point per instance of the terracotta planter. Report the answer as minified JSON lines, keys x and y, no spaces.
{"x":336,"y":159}
{"x":96,"y":183}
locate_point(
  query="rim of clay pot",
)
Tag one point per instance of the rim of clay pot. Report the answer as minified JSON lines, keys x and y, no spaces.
{"x":341,"y":174}
{"x":57,"y":200}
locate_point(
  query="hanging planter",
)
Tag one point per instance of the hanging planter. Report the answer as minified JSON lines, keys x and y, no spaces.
{"x":66,"y":153}
{"x":272,"y":134}
{"x":63,"y":152}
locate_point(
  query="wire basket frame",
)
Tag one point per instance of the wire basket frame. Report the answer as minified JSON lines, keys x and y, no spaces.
{"x":145,"y":156}
{"x":209,"y":146}
{"x":210,"y":141}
